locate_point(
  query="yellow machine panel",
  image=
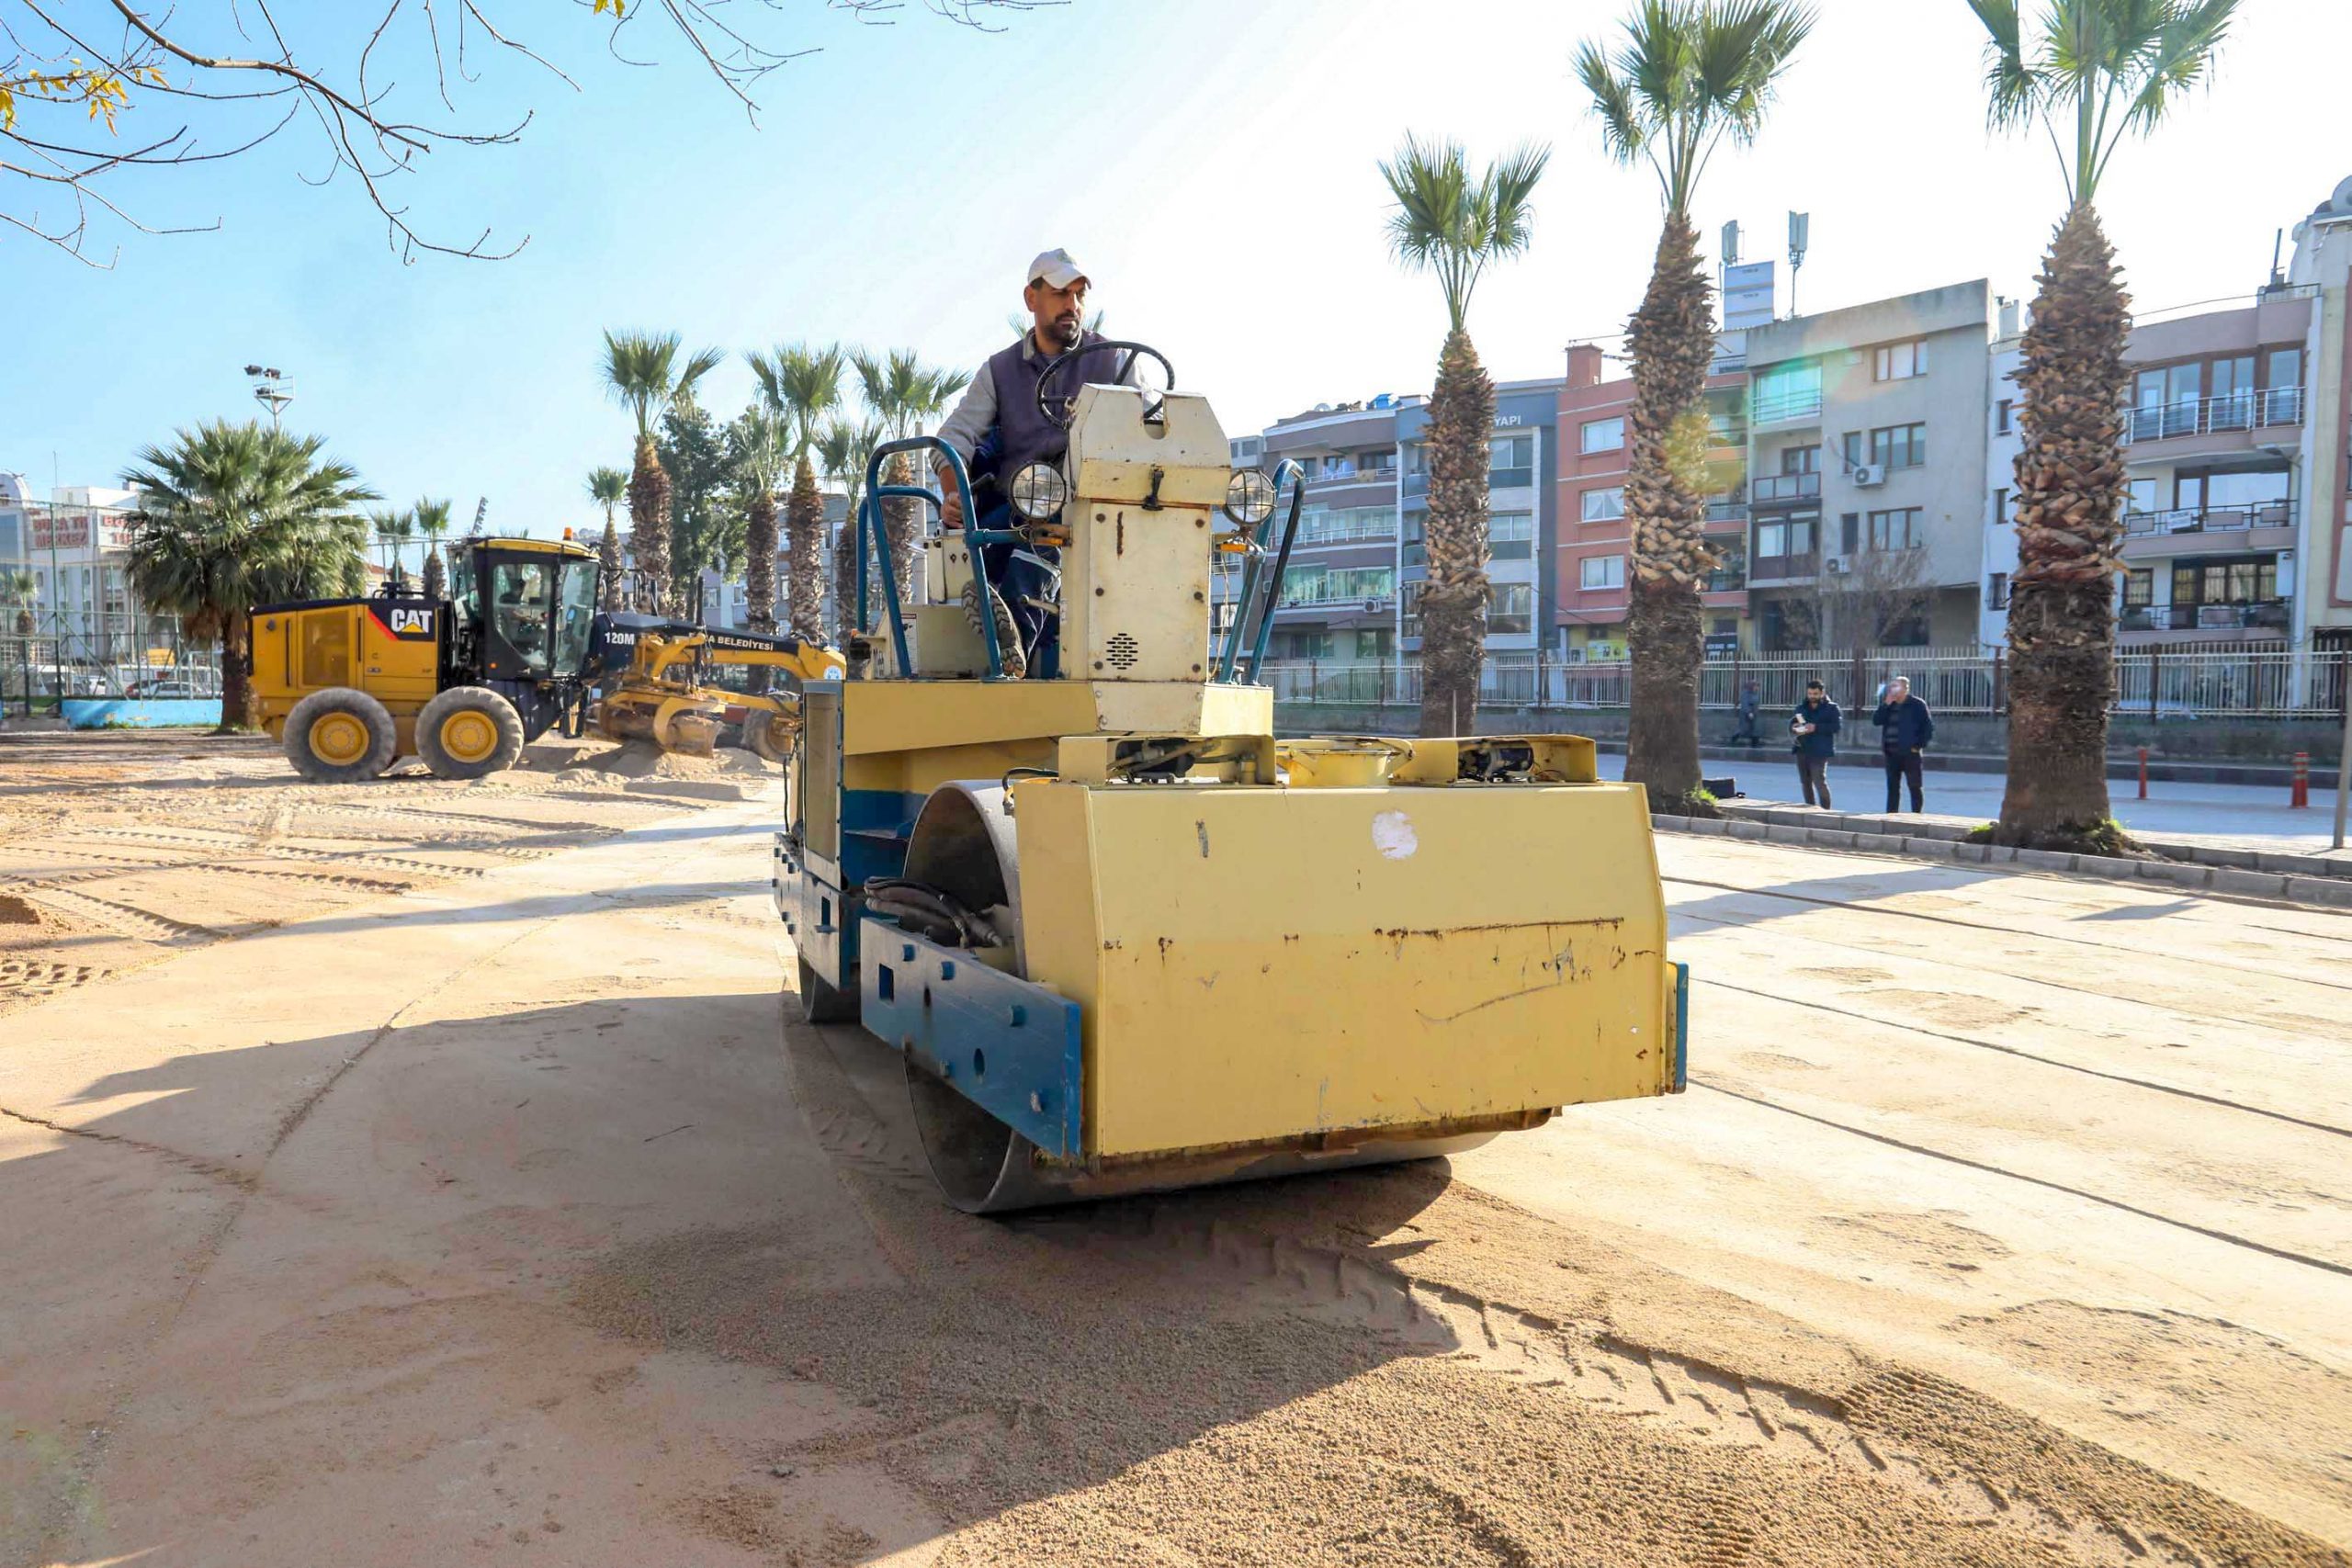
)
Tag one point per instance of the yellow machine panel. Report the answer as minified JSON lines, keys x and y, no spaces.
{"x":1258,"y":963}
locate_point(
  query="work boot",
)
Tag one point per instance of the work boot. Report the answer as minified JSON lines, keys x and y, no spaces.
{"x":1008,"y":634}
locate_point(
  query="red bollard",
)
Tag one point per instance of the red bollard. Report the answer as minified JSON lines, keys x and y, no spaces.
{"x":2143,"y":772}
{"x":2300,"y":790}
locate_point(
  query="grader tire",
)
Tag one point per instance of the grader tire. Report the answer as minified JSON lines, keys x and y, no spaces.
{"x":339,"y":735}
{"x":468,"y":732}
{"x":767,"y":737}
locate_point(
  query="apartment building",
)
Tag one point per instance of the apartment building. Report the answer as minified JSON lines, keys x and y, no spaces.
{"x":1340,"y":594}
{"x":1866,"y":469}
{"x":1590,"y":565}
{"x":2238,"y":488}
{"x":1523,"y":513}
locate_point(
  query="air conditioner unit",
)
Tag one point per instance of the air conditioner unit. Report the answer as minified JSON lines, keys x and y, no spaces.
{"x":1837,"y":565}
{"x":1867,"y":474}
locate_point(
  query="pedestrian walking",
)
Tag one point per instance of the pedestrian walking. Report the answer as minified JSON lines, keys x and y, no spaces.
{"x":1815,"y":723}
{"x":1751,"y":705}
{"x":1905,"y":728}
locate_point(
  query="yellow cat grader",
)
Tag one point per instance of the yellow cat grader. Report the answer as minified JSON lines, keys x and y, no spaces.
{"x":1124,"y":938}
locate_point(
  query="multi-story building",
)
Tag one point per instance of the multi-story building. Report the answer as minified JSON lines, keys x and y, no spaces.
{"x":1523,"y":513}
{"x":1866,"y":465}
{"x":2004,"y":439}
{"x":1591,"y":564}
{"x":1339,"y":594}
{"x":2323,"y":266}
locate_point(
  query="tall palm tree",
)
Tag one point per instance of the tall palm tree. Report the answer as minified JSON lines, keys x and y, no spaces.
{"x":234,"y":515}
{"x":2103,"y":70}
{"x":1448,"y":223}
{"x":903,"y":393}
{"x":392,"y":530}
{"x":762,"y":450}
{"x":607,"y":487}
{"x":643,"y":375}
{"x":1688,"y":75}
{"x":430,"y":516}
{"x":842,"y":451}
{"x":804,"y":384}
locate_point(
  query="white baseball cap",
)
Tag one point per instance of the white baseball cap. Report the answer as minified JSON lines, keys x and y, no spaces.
{"x":1055,"y":269}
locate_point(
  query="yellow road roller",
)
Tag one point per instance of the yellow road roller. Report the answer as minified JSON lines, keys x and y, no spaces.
{"x":1127,"y":940}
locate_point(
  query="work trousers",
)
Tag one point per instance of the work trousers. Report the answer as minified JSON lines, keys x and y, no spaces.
{"x":1015,"y":572}
{"x":1903,"y":765}
{"x":1813,"y":772}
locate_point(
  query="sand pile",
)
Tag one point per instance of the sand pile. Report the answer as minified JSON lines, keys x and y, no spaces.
{"x":638,"y":759}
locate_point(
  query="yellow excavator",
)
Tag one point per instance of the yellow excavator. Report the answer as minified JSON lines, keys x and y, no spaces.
{"x":678,"y":685}
{"x":1123,"y":938}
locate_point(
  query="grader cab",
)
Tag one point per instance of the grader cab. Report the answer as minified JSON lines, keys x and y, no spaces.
{"x":1126,"y":938}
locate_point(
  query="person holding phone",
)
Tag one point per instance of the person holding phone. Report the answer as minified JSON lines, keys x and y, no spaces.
{"x":1815,"y":726}
{"x":1905,"y":728}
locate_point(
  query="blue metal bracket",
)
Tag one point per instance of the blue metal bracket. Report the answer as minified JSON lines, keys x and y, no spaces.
{"x":1681,"y":1027}
{"x":1011,"y":1047}
{"x":874,"y":544}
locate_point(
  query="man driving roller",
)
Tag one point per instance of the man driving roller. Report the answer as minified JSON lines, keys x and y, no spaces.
{"x":997,"y":429}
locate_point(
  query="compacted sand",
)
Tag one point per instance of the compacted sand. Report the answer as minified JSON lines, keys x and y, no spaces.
{"x":384,"y":1186}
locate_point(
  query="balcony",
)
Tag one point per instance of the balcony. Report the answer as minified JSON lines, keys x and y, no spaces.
{"x":1726,"y":433}
{"x":2269,"y":614}
{"x":1731,"y":508}
{"x":1784,"y":569}
{"x":1727,"y":579}
{"x":1782,"y":408}
{"x":1770,"y":488}
{"x":1354,"y":533}
{"x":2211,"y":519}
{"x":1334,"y":477}
{"x":2248,"y":410}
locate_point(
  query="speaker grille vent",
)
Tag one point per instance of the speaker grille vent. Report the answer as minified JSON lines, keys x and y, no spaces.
{"x":1123,"y":652}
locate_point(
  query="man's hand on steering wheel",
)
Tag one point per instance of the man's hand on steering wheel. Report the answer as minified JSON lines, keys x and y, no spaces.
{"x":951,"y":504}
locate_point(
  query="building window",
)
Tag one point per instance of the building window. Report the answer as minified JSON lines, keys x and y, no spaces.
{"x":1780,"y":540}
{"x":1900,"y":361}
{"x":1510,"y":462}
{"x":1417,"y":550}
{"x":1787,"y":391}
{"x":1511,"y":535}
{"x":1408,"y":604}
{"x":2000,"y":506}
{"x":1996,"y":591}
{"x":2004,"y":416}
{"x":1896,"y":530}
{"x":1853,"y":450}
{"x":2139,"y":588}
{"x":1417,"y":458}
{"x":1372,"y":645}
{"x":1899,"y":445}
{"x":1601,"y":571}
{"x":2141,"y":498}
{"x":1799,"y":459}
{"x":1604,"y":505}
{"x":1604,"y":434}
{"x":1850,"y":532}
{"x":1511,"y":609}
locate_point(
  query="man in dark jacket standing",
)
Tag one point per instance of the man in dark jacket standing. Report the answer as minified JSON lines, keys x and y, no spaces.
{"x":1905,"y":729}
{"x":1815,"y":724}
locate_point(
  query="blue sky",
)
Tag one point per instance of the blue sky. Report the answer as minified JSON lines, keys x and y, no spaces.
{"x":1211,"y":161}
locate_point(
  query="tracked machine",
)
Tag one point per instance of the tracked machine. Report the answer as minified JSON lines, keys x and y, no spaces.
{"x":1124,"y":938}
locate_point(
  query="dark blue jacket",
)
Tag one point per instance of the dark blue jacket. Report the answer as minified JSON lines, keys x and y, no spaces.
{"x":1905,"y":726}
{"x":1826,"y":721}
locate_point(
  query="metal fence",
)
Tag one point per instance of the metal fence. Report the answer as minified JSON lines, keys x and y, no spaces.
{"x":2152,"y":683}
{"x":36,"y":669}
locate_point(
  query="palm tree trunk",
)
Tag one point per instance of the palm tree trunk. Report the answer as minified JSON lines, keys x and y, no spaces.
{"x":608,"y":566}
{"x":845,"y":546}
{"x":1672,"y":339}
{"x":1454,"y":600}
{"x":649,"y":523}
{"x":2070,"y":489}
{"x":236,"y":673}
{"x":805,"y":536}
{"x":759,"y":561}
{"x":903,"y":525}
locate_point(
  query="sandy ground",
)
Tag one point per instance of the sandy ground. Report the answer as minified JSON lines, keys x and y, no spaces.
{"x":496,"y":1216}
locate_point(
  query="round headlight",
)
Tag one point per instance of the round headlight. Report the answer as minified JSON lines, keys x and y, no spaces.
{"x":1039,"y":491}
{"x":1248,"y":497}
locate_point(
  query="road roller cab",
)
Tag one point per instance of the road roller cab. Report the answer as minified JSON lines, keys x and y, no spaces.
{"x":1124,"y":937}
{"x":348,"y":686}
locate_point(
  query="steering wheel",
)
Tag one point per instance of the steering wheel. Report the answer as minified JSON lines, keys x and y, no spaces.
{"x":1057,"y":410}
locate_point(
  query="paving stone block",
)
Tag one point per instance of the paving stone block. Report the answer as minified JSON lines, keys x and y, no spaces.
{"x":2045,"y":860}
{"x":1738,"y":829}
{"x":2249,"y":884}
{"x":2335,"y":890}
{"x":2113,"y":867}
{"x":1833,"y":839}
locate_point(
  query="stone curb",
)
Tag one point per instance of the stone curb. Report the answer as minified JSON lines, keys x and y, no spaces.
{"x":2277,"y":887}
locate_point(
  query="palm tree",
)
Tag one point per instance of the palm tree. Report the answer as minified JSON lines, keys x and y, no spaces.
{"x":17,"y":593}
{"x":392,"y":531}
{"x":642,"y":374}
{"x":1689,"y":74}
{"x":607,"y":487}
{"x":234,"y":515}
{"x":2105,"y":69}
{"x":804,"y":384}
{"x":902,"y":393}
{"x":432,"y":518}
{"x":760,"y":448}
{"x":1451,"y":225}
{"x":842,"y":451}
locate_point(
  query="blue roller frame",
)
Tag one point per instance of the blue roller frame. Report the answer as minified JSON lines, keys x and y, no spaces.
{"x":1239,"y":631}
{"x":873,"y":540}
{"x":1010,"y":1046}
{"x":1681,"y":1027}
